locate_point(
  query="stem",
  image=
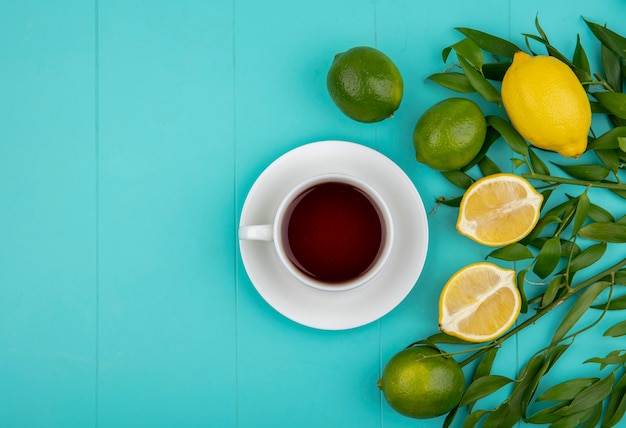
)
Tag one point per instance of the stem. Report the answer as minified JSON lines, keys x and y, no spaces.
{"x":543,"y":311}
{"x":603,"y":82}
{"x":593,"y":324}
{"x":562,"y":180}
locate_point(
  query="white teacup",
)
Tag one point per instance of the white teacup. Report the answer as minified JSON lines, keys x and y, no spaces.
{"x":333,"y":232}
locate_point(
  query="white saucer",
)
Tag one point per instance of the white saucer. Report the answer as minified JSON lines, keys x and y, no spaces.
{"x":336,"y":310}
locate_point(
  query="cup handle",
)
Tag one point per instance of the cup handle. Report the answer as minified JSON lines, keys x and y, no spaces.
{"x":257,"y":232}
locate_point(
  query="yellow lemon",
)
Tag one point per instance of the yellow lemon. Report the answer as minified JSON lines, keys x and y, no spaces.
{"x":479,"y":303}
{"x":499,"y":209}
{"x":547,"y":104}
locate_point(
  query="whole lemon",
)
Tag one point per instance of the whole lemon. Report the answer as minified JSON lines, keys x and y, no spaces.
{"x":365,"y":84}
{"x":547,"y":104}
{"x":449,"y":134}
{"x":420,"y":383}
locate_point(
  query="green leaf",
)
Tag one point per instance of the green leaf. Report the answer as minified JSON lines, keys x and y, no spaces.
{"x":425,"y":342}
{"x":582,"y":211}
{"x":482,"y":387}
{"x":521,"y":277}
{"x":581,"y":305}
{"x":542,"y":33}
{"x":596,"y":108}
{"x":552,"y":51}
{"x":548,"y":257}
{"x":512,"y":252}
{"x":479,"y":82}
{"x":609,"y":158}
{"x":609,"y":140}
{"x":517,"y":162}
{"x":501,"y":417}
{"x":589,"y":397}
{"x":569,"y":248}
{"x":581,"y":61}
{"x":566,"y":390}
{"x":489,"y":43}
{"x":596,"y":415}
{"x":474,"y":418}
{"x":445,"y":338}
{"x":616,"y":121}
{"x":555,"y":354}
{"x":495,"y":70}
{"x":515,"y":141}
{"x":450,"y":417}
{"x":613,"y":358}
{"x":616,"y":304}
{"x":488,"y":167}
{"x":616,"y":405}
{"x":469,"y":50}
{"x":575,"y":419}
{"x":458,"y":178}
{"x":553,"y":288}
{"x":539,"y":167}
{"x":561,"y":208}
{"x":591,"y":172}
{"x":455,"y":81}
{"x":510,"y":411}
{"x":604,"y":231}
{"x":546,"y":416}
{"x":587,"y":257}
{"x":609,"y":38}
{"x":612,"y":67}
{"x":445,"y":53}
{"x":567,"y":218}
{"x":528,"y":385}
{"x":450,"y":202}
{"x":617,"y":416}
{"x":617,"y":330}
{"x":599,"y":214}
{"x":615,"y":102}
{"x":486,"y":363}
{"x":543,"y":222}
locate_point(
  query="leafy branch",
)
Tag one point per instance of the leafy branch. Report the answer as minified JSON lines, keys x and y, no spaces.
{"x":553,"y":251}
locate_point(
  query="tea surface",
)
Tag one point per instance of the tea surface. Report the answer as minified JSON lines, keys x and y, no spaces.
{"x":333,"y":232}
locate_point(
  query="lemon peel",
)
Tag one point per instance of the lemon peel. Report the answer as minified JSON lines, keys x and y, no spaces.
{"x":547,"y":104}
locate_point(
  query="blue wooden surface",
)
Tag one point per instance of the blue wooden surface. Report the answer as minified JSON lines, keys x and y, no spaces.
{"x":130,"y":134}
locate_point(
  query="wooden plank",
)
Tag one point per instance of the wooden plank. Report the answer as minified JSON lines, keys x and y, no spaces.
{"x":167,"y":296}
{"x":48,"y":288}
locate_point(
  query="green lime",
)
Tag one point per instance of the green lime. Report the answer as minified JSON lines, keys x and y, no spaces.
{"x":449,"y":134}
{"x":365,"y":84}
{"x":419,"y":382}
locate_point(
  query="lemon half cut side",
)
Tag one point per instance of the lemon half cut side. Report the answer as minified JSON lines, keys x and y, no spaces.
{"x":499,"y":209}
{"x":479,"y":303}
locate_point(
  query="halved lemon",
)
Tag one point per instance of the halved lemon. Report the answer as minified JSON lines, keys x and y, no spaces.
{"x":479,"y":302}
{"x":499,"y":209}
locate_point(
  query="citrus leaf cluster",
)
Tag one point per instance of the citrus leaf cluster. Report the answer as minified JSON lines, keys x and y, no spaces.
{"x":571,"y":237}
